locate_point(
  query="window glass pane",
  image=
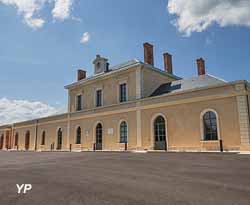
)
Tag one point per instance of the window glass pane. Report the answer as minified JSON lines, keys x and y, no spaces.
{"x":123,"y":132}
{"x":99,"y":133}
{"x":79,"y":102}
{"x":210,"y":126}
{"x":16,"y":139}
{"x":159,"y":129}
{"x":43,"y":138}
{"x":123,"y":92}
{"x":99,"y":98}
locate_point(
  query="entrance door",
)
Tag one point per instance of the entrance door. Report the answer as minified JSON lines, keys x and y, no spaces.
{"x":27,"y":140}
{"x":99,"y":137}
{"x":160,"y":134}
{"x":59,"y":139}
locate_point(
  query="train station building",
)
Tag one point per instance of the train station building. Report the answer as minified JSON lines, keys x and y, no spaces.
{"x":136,"y":106}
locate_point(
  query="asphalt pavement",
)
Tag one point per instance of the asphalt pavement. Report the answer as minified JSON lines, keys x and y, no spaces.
{"x":112,"y":178}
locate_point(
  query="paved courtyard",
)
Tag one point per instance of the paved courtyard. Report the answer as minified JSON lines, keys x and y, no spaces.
{"x":125,"y":178}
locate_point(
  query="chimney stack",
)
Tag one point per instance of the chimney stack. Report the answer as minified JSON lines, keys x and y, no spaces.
{"x":201,"y":66}
{"x":168,"y":63}
{"x":148,"y":53}
{"x":81,"y":74}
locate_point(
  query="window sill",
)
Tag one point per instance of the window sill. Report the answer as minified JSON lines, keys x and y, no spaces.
{"x":122,"y":102}
{"x":209,"y":140}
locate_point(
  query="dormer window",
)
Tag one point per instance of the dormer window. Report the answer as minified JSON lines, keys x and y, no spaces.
{"x":100,"y":64}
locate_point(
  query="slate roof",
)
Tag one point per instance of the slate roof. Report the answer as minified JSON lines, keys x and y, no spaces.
{"x":187,"y":84}
{"x":118,"y":68}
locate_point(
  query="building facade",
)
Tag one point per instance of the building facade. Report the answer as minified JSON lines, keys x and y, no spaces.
{"x":135,"y":106}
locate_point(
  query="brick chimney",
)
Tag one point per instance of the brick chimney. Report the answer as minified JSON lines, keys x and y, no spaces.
{"x":81,"y":74}
{"x":201,"y":66}
{"x":168,"y":63}
{"x":148,"y":53}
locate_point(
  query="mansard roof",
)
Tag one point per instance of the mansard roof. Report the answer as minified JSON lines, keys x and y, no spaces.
{"x":188,"y":84}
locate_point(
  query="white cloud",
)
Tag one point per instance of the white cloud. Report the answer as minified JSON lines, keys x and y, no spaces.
{"x":21,"y":110}
{"x":28,"y":9}
{"x":198,"y":15}
{"x":62,"y":9}
{"x":85,"y":38}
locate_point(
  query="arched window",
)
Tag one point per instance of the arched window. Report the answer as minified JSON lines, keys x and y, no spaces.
{"x":1,"y":141}
{"x":160,"y":133}
{"x":78,"y":135}
{"x":43,"y":138}
{"x":7,"y":140}
{"x":123,"y":132}
{"x":210,"y":126}
{"x":99,"y":136}
{"x":59,"y":139}
{"x":16,"y":139}
{"x":27,"y":140}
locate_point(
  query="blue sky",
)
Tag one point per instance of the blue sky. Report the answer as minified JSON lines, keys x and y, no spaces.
{"x":38,"y":60}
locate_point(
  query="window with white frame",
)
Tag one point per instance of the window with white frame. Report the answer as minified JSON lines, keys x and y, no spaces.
{"x":123,"y":92}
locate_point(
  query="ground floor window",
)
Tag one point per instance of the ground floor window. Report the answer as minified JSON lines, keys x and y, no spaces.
{"x":16,"y":139}
{"x":123,"y":132}
{"x":159,"y":129}
{"x":27,"y":140}
{"x":78,"y":135}
{"x":160,"y":134}
{"x":43,"y":138}
{"x":210,"y":126}
{"x":1,"y":141}
{"x":99,"y":133}
{"x":59,"y":139}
